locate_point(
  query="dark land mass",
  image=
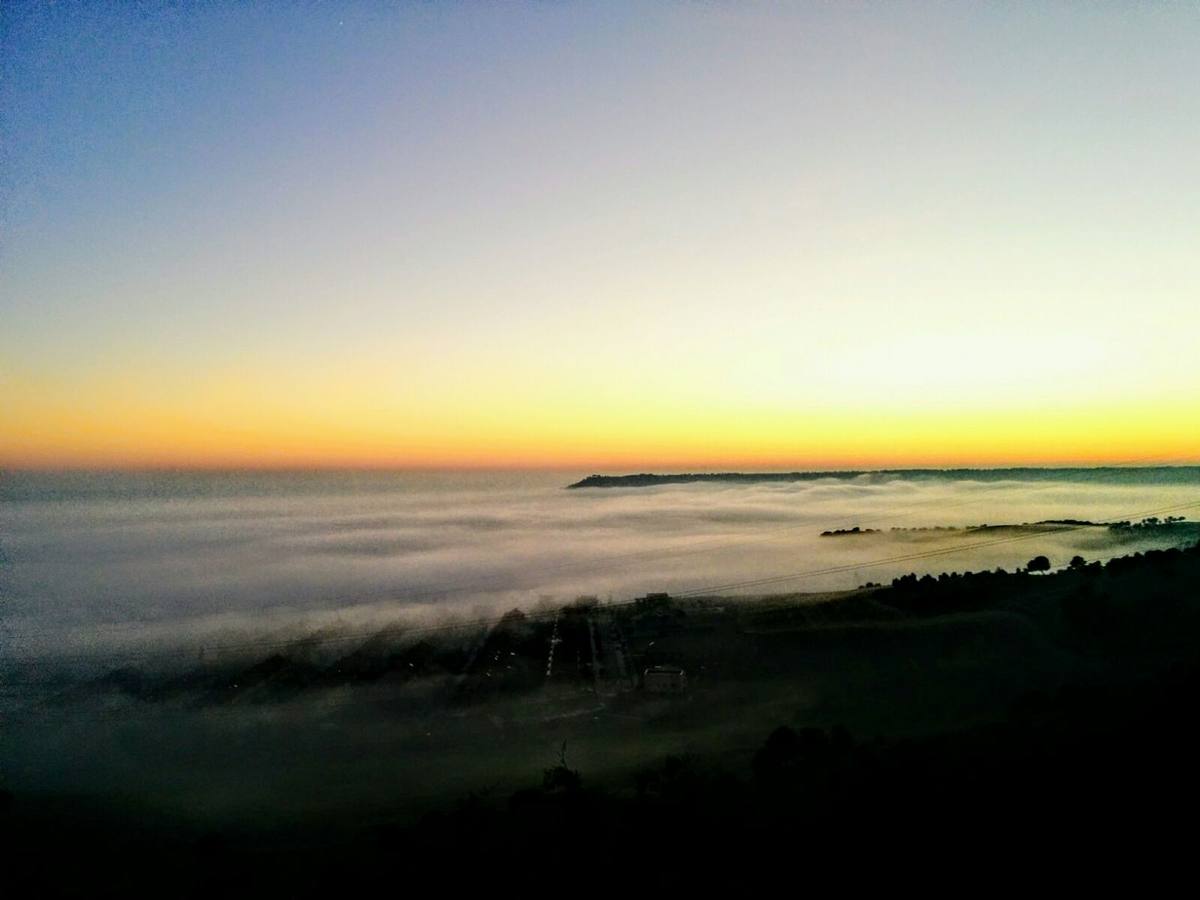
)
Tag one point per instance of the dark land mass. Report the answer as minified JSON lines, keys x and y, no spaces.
{"x":1168,"y":526}
{"x":1019,"y":724}
{"x":1105,"y":474}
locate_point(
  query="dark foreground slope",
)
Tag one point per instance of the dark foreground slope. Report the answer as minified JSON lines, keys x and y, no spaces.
{"x":1089,"y":769}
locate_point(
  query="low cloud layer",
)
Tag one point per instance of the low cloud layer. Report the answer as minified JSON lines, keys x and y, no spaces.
{"x":96,"y":566}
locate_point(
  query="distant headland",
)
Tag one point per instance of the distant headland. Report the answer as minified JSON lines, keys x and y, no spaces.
{"x":1108,"y":474}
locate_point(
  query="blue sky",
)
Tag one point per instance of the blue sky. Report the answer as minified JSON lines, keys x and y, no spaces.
{"x":520,"y":227}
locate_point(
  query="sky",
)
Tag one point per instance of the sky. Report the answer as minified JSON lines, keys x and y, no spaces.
{"x":605,"y":236}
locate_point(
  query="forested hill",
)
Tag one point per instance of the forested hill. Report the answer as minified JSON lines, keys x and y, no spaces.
{"x":1105,"y":474}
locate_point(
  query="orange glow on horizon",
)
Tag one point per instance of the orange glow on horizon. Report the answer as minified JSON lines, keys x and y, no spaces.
{"x":938,"y":447}
{"x":351,"y":422}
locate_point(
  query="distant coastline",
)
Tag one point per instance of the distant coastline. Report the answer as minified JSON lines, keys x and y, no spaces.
{"x":1107,"y":474}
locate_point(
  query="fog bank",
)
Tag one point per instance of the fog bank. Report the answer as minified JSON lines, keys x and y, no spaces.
{"x":100,"y":563}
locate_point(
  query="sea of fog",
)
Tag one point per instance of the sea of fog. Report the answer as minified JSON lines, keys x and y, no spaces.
{"x":99,"y":563}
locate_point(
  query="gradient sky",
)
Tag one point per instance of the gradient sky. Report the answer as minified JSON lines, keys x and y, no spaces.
{"x":599,"y":235}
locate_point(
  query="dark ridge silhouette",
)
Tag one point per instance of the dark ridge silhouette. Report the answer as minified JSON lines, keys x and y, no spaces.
{"x":1070,"y":729}
{"x":1107,"y":474}
{"x":1069,"y":773}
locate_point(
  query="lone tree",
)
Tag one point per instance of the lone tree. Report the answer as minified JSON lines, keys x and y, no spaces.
{"x":1078,"y":562}
{"x":1038,"y":564}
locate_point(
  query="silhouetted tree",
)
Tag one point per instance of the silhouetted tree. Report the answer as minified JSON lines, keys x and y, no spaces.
{"x":562,"y":778}
{"x":1038,"y":564}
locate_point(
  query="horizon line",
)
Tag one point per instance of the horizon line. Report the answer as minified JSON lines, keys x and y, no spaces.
{"x":681,"y":469}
